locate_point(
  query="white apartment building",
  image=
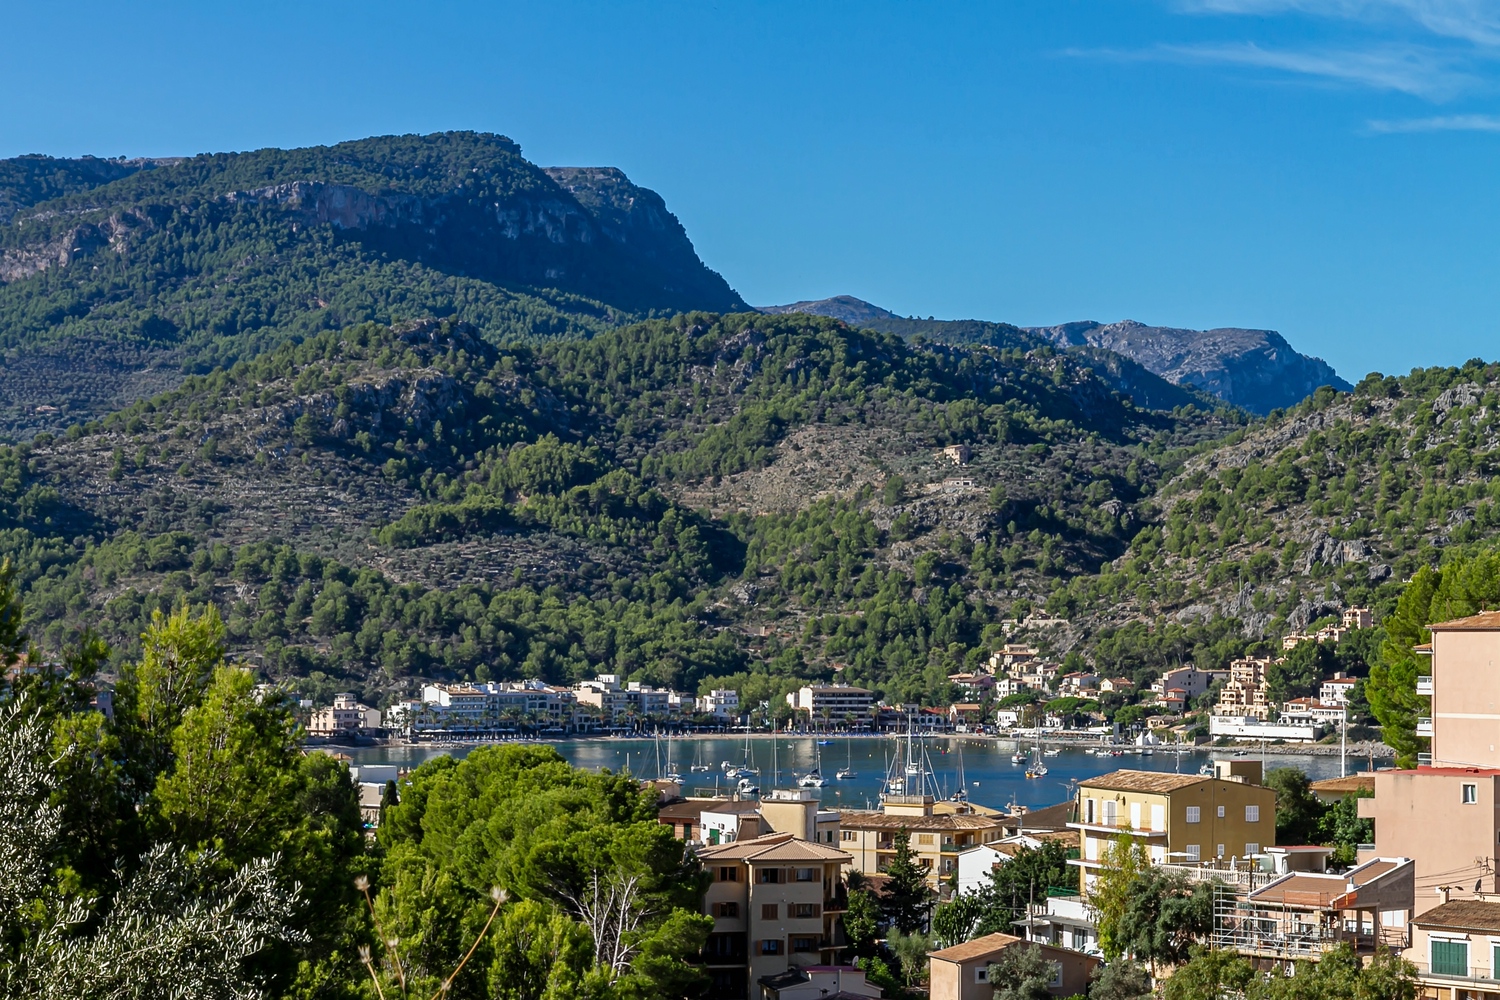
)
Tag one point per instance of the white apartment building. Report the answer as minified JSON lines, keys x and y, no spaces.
{"x":832,"y":701}
{"x":1336,"y":690}
{"x":721,"y":703}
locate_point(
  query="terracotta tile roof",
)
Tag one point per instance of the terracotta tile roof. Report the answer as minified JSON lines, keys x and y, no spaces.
{"x":1364,"y":781}
{"x":688,"y":808}
{"x":773,"y":847}
{"x":980,"y":947}
{"x":860,"y":819}
{"x":1367,"y":873}
{"x":1143,"y":781}
{"x":1463,"y":915}
{"x":1485,"y":621}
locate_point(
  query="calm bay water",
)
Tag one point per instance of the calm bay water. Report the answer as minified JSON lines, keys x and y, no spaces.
{"x":989,"y":776}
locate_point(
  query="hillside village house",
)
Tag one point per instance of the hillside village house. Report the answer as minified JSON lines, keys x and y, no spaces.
{"x":1180,"y":818}
{"x":1244,"y":693}
{"x":1455,"y":946}
{"x":1189,"y":680}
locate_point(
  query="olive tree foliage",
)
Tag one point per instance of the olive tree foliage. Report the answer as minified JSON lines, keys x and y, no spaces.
{"x":175,"y":928}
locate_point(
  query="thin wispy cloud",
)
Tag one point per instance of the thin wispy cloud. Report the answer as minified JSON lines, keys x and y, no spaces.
{"x":1408,"y":70}
{"x":1441,"y":123}
{"x":1476,"y":21}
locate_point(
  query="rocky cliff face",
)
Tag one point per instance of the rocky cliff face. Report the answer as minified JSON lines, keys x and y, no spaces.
{"x":1253,"y":369}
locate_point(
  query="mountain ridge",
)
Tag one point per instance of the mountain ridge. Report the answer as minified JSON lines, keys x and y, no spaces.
{"x":1256,"y":370}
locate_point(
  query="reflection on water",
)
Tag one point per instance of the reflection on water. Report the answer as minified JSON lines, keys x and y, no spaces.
{"x":989,"y":776}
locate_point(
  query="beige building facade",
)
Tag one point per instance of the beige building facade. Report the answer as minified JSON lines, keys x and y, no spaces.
{"x":1179,"y":818}
{"x":1244,"y":693}
{"x":939,"y":832}
{"x":775,"y":902}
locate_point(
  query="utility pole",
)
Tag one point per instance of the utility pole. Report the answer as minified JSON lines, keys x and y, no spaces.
{"x":1344,"y":744}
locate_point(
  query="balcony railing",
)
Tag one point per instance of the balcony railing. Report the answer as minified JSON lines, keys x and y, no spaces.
{"x":1424,"y":685}
{"x":1424,"y":726}
{"x":837,"y":903}
{"x":1476,"y":973}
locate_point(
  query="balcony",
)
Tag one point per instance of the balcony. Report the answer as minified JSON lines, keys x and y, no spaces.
{"x":1475,"y":973}
{"x":1424,"y":686}
{"x":1424,"y":726}
{"x":837,"y":903}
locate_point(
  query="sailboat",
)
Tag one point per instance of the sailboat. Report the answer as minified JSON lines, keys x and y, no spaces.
{"x":1037,"y":769}
{"x":814,"y":778}
{"x":699,"y":764}
{"x":847,"y":771}
{"x":961,"y":794}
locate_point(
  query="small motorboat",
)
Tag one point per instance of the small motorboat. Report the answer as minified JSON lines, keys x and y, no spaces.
{"x":812,"y":779}
{"x":846,"y":774}
{"x":1051,"y":753}
{"x":1018,"y":758}
{"x":747,"y":787}
{"x":825,"y":743}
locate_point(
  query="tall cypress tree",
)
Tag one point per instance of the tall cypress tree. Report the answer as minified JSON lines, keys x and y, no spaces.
{"x":906,"y":901}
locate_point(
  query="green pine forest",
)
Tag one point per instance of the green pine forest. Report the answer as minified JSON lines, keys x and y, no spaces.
{"x":389,"y":432}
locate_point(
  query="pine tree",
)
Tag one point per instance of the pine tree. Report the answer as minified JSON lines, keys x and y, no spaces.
{"x":906,"y":901}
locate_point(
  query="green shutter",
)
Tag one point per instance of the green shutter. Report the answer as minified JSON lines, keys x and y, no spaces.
{"x":1450,"y":958}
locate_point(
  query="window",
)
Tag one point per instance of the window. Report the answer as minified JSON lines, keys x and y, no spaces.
{"x":1109,"y":812}
{"x":807,"y":874}
{"x":770,"y":946}
{"x":847,"y":835}
{"x":1471,"y":794}
{"x":1056,"y":975}
{"x":982,"y":974}
{"x":728,"y":910}
{"x":1158,"y":817}
{"x":1252,"y":814}
{"x":1080,"y":939}
{"x":1252,"y":848}
{"x":1192,"y":814}
{"x":1192,"y":852}
{"x":804,"y":944}
{"x":1449,"y":958}
{"x":926,"y":838}
{"x":727,"y":874}
{"x":1220,"y":852}
{"x":1494,"y":960}
{"x":771,"y":875}
{"x":1088,"y":813}
{"x":803,"y":911}
{"x":769,"y":911}
{"x":1135,"y":815}
{"x":1220,"y":812}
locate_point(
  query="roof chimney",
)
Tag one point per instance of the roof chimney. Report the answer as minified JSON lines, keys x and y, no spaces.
{"x":1443,"y":891}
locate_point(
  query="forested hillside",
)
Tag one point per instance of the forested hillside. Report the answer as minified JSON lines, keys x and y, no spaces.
{"x":681,"y":499}
{"x":118,"y":277}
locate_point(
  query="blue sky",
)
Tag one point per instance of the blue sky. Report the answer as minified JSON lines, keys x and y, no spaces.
{"x":1326,"y":168}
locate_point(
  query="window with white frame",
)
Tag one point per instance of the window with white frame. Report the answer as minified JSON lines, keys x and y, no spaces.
{"x":1252,"y":814}
{"x":1192,"y":814}
{"x":1056,"y":975}
{"x":1135,"y":815}
{"x":1470,"y":794}
{"x":1219,"y":812}
{"x":1219,"y":851}
{"x":1109,"y":812}
{"x":982,"y":974}
{"x":1252,"y":848}
{"x":1158,"y":817}
{"x":1088,"y":810}
{"x":1192,"y":852}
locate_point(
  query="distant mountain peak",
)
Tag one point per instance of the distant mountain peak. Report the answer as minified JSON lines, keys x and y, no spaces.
{"x":855,"y":312}
{"x":1256,"y":370}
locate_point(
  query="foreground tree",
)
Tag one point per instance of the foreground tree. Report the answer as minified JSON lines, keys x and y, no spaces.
{"x":906,"y":900}
{"x":1022,"y":974}
{"x":1109,"y":899}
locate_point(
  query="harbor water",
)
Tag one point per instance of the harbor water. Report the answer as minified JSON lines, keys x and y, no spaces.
{"x":983,"y":765}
